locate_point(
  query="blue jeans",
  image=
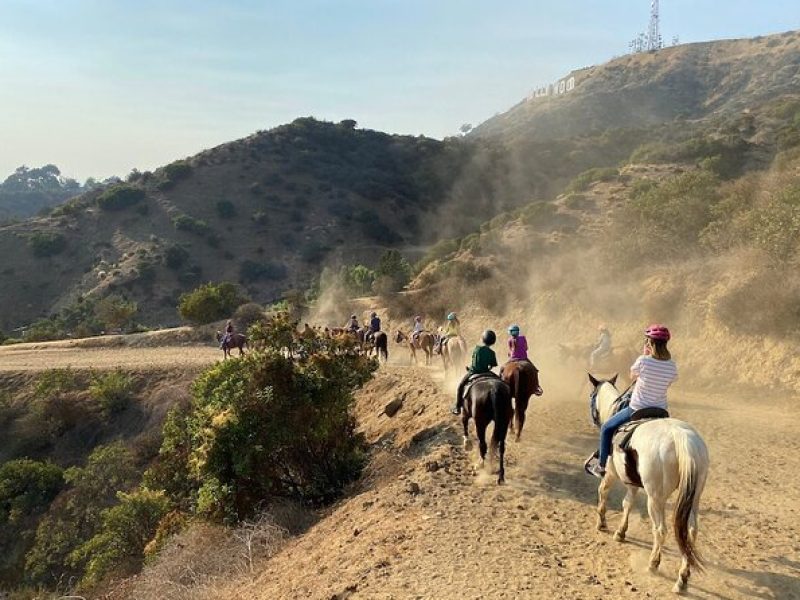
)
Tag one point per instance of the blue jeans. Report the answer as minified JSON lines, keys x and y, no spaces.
{"x":607,"y":432}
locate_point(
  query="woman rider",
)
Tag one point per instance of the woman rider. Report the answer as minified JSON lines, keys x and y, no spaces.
{"x":451,"y":329}
{"x":652,"y":374}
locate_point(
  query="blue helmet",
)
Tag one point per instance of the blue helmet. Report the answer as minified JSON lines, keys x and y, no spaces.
{"x":513,"y":330}
{"x":451,"y":317}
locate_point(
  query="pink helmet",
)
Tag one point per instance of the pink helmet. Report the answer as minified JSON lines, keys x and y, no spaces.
{"x":658,"y":332}
{"x":418,"y":318}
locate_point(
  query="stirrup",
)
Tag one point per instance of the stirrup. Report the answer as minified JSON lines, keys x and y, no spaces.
{"x":595,"y":455}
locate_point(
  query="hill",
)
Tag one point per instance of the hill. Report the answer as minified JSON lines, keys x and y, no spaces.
{"x":28,"y":191}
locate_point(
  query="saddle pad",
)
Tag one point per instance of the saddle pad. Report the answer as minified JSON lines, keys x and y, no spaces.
{"x":623,"y":435}
{"x":473,"y":378}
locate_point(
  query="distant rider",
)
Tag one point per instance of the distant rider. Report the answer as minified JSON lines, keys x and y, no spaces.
{"x":374,"y":326}
{"x":652,"y":374}
{"x":419,"y":327}
{"x":517,"y":344}
{"x":352,"y":326}
{"x":451,"y":329}
{"x":603,"y":347}
{"x":483,"y":359}
{"x":227,"y":334}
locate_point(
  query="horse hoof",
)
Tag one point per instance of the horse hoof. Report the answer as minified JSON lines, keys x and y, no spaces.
{"x":619,"y":536}
{"x":518,"y":437}
{"x":653,"y":568}
{"x":467,"y":445}
{"x":679,"y":588}
{"x":601,"y":526}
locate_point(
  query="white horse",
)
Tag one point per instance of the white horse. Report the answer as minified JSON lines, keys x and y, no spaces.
{"x":668,"y":454}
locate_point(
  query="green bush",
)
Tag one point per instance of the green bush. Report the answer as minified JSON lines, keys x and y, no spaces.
{"x":394,"y":268}
{"x":120,"y":197}
{"x":175,"y":171}
{"x":76,"y":515}
{"x":44,"y":330}
{"x":265,"y":426}
{"x":58,"y":381}
{"x":249,"y":314}
{"x":210,"y":302}
{"x":184,"y":222}
{"x":112,"y":390}
{"x":226,"y":209}
{"x":538,"y":214}
{"x":357,"y":279}
{"x":175,"y":257}
{"x":27,"y":487}
{"x":46,"y":244}
{"x":250,"y":270}
{"x":118,"y":546}
{"x":585,"y":179}
{"x":115,"y":312}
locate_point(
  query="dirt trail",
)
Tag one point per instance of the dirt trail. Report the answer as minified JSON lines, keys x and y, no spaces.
{"x":461,"y":536}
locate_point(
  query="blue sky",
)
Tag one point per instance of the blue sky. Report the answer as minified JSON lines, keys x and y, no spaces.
{"x":101,"y":86}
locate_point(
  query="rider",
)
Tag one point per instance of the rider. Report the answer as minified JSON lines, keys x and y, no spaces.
{"x":603,"y":346}
{"x":227,"y":334}
{"x":419,"y":327}
{"x":517,"y":344}
{"x":652,"y":373}
{"x":451,"y":329}
{"x":352,"y":326}
{"x":374,"y":326}
{"x":483,"y":359}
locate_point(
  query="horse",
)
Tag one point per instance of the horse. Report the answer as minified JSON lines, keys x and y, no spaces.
{"x":380,"y":343}
{"x":236,"y":340}
{"x":663,"y":455}
{"x":488,"y":399}
{"x":522,"y":378}
{"x":423,"y":342}
{"x":453,"y":351}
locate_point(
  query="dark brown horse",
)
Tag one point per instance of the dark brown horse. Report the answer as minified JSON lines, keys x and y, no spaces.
{"x":236,"y":340}
{"x":423,"y":342}
{"x":380,"y":344}
{"x":523,"y":379}
{"x":487,"y":400}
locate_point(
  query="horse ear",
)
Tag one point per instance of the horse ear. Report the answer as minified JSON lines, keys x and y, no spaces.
{"x":594,"y":381}
{"x":613,"y":380}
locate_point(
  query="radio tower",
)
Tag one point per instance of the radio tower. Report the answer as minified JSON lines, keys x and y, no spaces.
{"x":654,"y":41}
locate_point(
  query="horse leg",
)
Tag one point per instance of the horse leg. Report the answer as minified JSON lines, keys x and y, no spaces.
{"x":480,"y":428}
{"x":465,"y":422}
{"x":519,"y":416}
{"x":602,"y":499}
{"x":627,"y":505}
{"x":655,"y":508}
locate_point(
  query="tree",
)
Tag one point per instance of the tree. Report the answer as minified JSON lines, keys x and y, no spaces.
{"x":27,"y":487}
{"x":394,"y":271}
{"x":210,"y":302}
{"x":115,"y":311}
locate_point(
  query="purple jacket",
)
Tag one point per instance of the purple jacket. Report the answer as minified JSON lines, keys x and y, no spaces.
{"x":518,"y":348}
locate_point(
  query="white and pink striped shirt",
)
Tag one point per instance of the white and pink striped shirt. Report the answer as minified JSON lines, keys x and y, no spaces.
{"x":653,"y":378}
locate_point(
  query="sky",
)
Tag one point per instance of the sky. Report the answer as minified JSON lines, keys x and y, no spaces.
{"x":99,"y":87}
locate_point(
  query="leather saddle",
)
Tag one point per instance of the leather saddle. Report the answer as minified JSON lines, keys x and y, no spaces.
{"x":622,"y":440}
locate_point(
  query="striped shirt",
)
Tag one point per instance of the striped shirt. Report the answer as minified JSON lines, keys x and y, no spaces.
{"x":653,"y":378}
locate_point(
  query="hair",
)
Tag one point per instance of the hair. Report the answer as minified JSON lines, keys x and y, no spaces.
{"x":659,"y":349}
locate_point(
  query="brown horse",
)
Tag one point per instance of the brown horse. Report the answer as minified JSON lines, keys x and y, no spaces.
{"x":454,"y":351}
{"x":423,"y":342}
{"x":487,"y":400}
{"x":380,"y":344}
{"x":523,"y":379}
{"x":236,"y":340}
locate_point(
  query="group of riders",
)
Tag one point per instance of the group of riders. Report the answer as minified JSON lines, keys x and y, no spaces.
{"x":651,"y":374}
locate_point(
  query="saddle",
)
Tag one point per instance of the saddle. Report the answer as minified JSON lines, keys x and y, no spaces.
{"x":622,"y":440}
{"x":475,"y":378}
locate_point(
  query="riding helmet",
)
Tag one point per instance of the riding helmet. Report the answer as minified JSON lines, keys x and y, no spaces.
{"x":489,"y":337}
{"x":658,"y":332}
{"x":373,"y":315}
{"x":418,"y":318}
{"x":451,"y":317}
{"x":353,"y":317}
{"x":513,"y":330}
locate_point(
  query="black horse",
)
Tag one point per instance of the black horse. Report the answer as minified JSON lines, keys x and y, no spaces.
{"x":380,"y":343}
{"x":489,"y":399}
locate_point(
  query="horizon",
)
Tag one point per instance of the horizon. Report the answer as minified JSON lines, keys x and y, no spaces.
{"x":96,"y":101}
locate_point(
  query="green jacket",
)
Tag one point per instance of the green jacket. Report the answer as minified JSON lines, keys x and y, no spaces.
{"x":483,"y":359}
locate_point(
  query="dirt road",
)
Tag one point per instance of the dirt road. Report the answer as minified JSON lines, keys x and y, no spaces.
{"x":462,"y":537}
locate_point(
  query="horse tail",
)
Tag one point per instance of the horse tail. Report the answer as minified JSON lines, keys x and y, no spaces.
{"x":501,"y":407}
{"x":690,"y":454}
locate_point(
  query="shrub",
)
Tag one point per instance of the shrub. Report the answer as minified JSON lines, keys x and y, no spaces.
{"x":585,"y":179}
{"x":112,"y":390}
{"x":75,"y":516}
{"x":57,"y":381}
{"x":210,"y":302}
{"x":44,"y":330}
{"x":115,"y":311}
{"x":538,"y":214}
{"x":250,"y":270}
{"x":393,"y":266}
{"x":175,"y":171}
{"x":266,"y":426}
{"x":126,"y":529}
{"x":175,"y":257}
{"x":249,"y":314}
{"x":119,"y":197}
{"x":27,"y":487}
{"x":184,"y":222}
{"x":226,"y":209}
{"x":357,"y":279}
{"x":46,"y":244}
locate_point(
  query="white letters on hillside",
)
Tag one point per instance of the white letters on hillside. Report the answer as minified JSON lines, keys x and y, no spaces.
{"x":555,"y":89}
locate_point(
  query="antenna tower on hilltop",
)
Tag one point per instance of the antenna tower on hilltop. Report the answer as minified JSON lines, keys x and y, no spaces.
{"x":654,"y":41}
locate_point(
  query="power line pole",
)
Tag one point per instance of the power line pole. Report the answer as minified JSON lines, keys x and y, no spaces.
{"x":654,"y":41}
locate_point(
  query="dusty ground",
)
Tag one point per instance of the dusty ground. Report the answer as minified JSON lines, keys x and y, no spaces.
{"x":464,"y":537}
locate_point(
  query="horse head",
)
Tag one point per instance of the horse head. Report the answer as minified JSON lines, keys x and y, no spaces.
{"x":219,"y":336}
{"x":399,"y":336}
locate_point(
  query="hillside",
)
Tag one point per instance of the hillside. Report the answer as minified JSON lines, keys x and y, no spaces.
{"x":28,"y":191}
{"x":685,"y":83}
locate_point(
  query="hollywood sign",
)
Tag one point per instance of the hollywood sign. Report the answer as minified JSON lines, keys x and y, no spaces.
{"x":555,"y":89}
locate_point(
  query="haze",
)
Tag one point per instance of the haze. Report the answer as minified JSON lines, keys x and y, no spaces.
{"x":99,"y":88}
